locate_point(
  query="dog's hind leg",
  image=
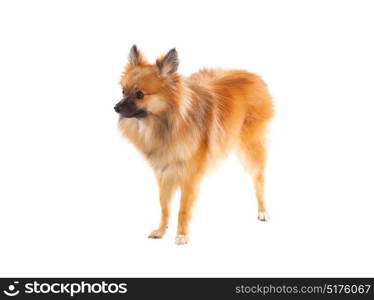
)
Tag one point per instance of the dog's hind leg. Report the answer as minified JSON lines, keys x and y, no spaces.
{"x":167,"y":187}
{"x":253,"y":151}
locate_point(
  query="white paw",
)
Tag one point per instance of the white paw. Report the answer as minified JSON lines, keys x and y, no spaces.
{"x":181,"y":239}
{"x":263,"y":216}
{"x":156,"y":234}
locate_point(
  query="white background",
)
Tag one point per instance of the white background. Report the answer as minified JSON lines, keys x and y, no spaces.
{"x":78,"y":200}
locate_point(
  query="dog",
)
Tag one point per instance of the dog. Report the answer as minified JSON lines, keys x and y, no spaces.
{"x":185,"y":125}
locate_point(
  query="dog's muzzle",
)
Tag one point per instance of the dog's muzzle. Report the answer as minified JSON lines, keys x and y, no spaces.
{"x":128,"y":109}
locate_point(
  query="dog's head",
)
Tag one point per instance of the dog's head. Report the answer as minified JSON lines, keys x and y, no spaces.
{"x":148,"y":89}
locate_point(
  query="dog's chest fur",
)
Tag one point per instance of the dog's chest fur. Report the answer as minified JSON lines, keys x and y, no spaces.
{"x":165,"y":148}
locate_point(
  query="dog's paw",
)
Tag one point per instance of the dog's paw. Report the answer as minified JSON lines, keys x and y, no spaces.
{"x":156,"y":234}
{"x":263,"y":216}
{"x":181,"y":239}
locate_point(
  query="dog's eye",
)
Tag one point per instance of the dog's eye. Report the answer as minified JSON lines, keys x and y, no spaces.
{"x":139,"y":95}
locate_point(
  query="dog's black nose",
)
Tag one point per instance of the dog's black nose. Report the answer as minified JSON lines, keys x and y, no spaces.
{"x":117,"y":108}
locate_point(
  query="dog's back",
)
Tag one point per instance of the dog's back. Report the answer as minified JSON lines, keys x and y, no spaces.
{"x":240,"y":107}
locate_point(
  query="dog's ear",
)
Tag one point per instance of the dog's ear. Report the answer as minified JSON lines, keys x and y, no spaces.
{"x":136,"y":57}
{"x":168,"y":64}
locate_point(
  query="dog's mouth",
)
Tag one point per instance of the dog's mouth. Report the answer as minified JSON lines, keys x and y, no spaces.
{"x":141,"y":113}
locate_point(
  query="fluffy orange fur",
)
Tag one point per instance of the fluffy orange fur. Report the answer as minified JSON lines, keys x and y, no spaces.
{"x":191,"y":124}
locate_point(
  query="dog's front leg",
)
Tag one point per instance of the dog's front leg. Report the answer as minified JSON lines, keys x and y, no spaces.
{"x":167,"y":187}
{"x":189,"y":193}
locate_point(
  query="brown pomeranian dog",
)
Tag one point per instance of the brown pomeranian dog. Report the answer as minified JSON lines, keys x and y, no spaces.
{"x":185,"y":125}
